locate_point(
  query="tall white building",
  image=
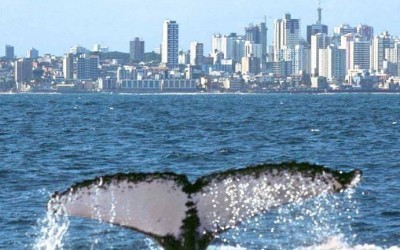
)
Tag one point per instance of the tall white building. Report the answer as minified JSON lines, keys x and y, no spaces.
{"x":196,"y":53}
{"x":332,"y":63}
{"x":68,"y":66}
{"x":216,"y":43}
{"x":286,"y":34}
{"x":170,"y":43}
{"x":228,"y":45}
{"x":379,"y":44}
{"x":318,"y":41}
{"x":345,"y":41}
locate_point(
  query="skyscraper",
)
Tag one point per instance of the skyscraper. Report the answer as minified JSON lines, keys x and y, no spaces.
{"x":318,"y":41}
{"x":170,"y":43}
{"x":23,"y":70}
{"x":196,"y":53}
{"x":332,"y":63}
{"x":360,"y":54}
{"x":9,"y":52}
{"x":68,"y":66}
{"x":379,"y":44}
{"x":366,"y":32}
{"x":216,"y":43}
{"x":32,"y":53}
{"x":317,"y":27}
{"x":258,"y":35}
{"x":287,"y":34}
{"x":136,"y":50}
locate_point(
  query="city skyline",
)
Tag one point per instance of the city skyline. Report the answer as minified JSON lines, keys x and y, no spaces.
{"x":51,"y":28}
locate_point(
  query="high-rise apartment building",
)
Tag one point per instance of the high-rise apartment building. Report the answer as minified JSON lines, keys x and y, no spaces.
{"x":250,"y":65}
{"x":258,"y":35}
{"x":88,"y":67}
{"x":32,"y":53}
{"x":345,"y":41}
{"x":366,"y":32}
{"x":318,"y":41}
{"x":170,"y":43}
{"x":68,"y":66}
{"x":136,"y":50}
{"x":196,"y":53}
{"x":317,"y":27}
{"x":216,"y":43}
{"x":23,"y":70}
{"x":296,"y":58}
{"x":253,"y":49}
{"x":9,"y":52}
{"x":332,"y":63}
{"x":378,"y":47}
{"x":359,"y":54}
{"x":287,"y":34}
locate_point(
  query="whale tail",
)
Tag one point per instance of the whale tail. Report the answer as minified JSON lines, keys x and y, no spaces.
{"x":179,"y":214}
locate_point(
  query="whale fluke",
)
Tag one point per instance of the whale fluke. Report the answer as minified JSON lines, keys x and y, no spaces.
{"x":179,"y":214}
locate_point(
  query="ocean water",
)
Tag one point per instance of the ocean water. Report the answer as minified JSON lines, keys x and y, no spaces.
{"x":48,"y":142}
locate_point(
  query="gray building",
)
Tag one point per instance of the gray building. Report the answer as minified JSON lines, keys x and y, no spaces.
{"x":88,"y":67}
{"x":136,"y":50}
{"x":23,"y":70}
{"x":9,"y":52}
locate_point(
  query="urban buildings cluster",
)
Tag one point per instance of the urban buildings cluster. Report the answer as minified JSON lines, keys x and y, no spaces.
{"x":349,"y":59}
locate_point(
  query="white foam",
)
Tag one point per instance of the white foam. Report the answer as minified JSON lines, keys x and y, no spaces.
{"x":52,"y":230}
{"x":337,"y":243}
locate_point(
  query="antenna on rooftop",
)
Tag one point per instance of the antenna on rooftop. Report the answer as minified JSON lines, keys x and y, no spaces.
{"x":319,"y":12}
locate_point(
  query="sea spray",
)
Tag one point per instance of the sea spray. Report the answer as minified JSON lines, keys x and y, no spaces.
{"x":52,"y":229}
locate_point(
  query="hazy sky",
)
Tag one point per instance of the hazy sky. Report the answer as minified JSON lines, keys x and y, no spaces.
{"x":53,"y":26}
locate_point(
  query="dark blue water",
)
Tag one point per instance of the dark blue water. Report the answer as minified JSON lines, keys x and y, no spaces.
{"x":48,"y":142}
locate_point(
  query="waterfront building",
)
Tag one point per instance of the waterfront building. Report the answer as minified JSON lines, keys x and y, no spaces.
{"x":136,"y":50}
{"x":318,"y":41}
{"x":68,"y":66}
{"x":317,"y":27}
{"x":165,"y":85}
{"x":286,"y":33}
{"x":32,"y":53}
{"x":196,"y":53}
{"x":359,"y":54}
{"x":23,"y":70}
{"x":378,"y":47}
{"x":332,"y":63}
{"x":9,"y":52}
{"x":345,"y":41}
{"x":250,"y":65}
{"x":183,"y":57}
{"x":170,"y":43}
{"x":88,"y":67}
{"x":126,"y":73}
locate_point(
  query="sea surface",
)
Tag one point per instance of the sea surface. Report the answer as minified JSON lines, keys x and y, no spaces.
{"x":50,"y":141}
